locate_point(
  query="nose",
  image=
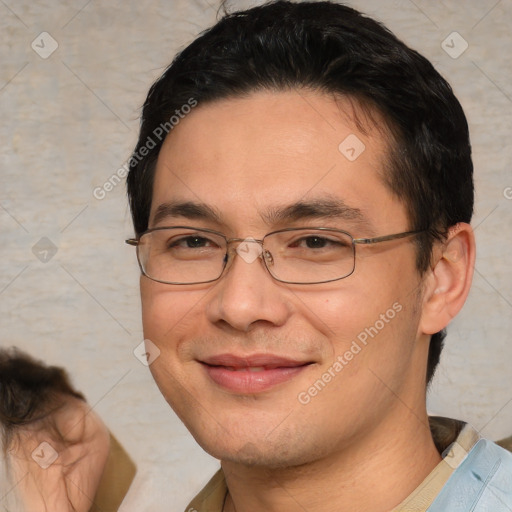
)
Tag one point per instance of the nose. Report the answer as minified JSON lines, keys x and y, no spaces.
{"x":246,"y":295}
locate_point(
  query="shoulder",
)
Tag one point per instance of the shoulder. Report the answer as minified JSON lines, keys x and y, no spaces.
{"x":481,"y":483}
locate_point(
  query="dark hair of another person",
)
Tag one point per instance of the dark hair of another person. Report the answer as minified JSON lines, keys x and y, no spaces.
{"x":29,"y":391}
{"x":331,"y":48}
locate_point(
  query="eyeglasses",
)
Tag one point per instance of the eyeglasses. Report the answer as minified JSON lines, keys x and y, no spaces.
{"x":187,"y":255}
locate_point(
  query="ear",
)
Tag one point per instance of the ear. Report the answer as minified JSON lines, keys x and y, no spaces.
{"x":447,"y":286}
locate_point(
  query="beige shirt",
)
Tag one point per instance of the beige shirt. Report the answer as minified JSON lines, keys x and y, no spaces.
{"x":116,"y":479}
{"x":445,"y":432}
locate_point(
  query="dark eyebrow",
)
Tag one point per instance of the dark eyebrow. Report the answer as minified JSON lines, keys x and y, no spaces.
{"x":313,"y":209}
{"x":329,"y":208}
{"x":188,"y":209}
{"x":323,"y":208}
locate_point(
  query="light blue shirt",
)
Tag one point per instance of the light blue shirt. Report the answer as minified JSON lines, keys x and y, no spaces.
{"x":481,"y":483}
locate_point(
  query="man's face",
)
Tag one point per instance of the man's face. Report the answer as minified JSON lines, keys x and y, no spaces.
{"x":247,"y":160}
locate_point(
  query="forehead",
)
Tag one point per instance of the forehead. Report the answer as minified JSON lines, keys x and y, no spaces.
{"x":245,"y":157}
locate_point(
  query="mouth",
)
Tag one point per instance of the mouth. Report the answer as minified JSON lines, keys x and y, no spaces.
{"x":252,"y":374}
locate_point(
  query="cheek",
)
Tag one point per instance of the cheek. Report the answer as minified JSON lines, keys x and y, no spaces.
{"x":344,"y":308}
{"x":372,"y":308}
{"x":161,"y":308}
{"x":168,"y":318}
{"x":170,"y":315}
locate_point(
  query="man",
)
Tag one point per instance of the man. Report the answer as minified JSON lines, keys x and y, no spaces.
{"x":301,"y":193}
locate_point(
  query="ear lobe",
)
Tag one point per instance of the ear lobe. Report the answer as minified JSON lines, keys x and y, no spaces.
{"x":448,"y":284}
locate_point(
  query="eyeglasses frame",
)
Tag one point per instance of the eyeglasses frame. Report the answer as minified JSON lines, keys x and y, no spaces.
{"x":355,"y":241}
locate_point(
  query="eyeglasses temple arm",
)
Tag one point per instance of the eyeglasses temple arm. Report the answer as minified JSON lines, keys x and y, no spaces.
{"x":385,"y":238}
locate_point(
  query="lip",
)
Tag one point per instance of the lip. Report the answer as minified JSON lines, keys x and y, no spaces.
{"x":253,"y":373}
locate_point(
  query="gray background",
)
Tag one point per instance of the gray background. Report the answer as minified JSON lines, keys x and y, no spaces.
{"x":70,"y":121}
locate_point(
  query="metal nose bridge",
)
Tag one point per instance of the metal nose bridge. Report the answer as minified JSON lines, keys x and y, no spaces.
{"x":247,"y":255}
{"x":248,"y":239}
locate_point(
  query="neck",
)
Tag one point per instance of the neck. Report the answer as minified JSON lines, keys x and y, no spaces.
{"x":375,"y":473}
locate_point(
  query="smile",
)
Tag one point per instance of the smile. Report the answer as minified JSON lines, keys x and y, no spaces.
{"x":252,"y":374}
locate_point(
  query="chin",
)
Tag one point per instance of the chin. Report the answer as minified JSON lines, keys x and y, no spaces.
{"x":254,"y":449}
